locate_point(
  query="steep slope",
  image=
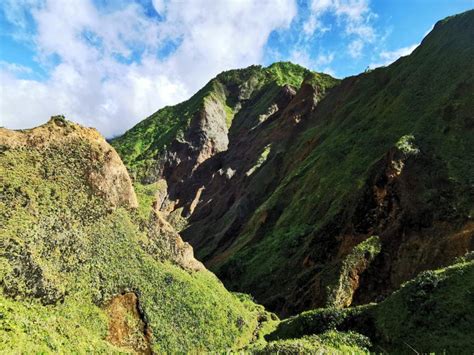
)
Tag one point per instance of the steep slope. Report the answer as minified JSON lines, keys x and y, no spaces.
{"x":170,"y":146}
{"x":433,"y":313}
{"x":197,"y":129}
{"x":326,"y":193}
{"x":82,"y":269}
{"x":387,"y":153}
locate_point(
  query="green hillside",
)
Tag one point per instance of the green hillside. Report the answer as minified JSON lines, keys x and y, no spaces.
{"x":70,"y":249}
{"x":279,"y":201}
{"x":337,"y":216}
{"x":418,"y":113}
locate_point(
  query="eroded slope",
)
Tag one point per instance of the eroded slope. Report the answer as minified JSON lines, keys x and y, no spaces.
{"x":325,"y":193}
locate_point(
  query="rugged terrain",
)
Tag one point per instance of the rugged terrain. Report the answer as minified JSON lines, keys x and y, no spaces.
{"x":306,"y":191}
{"x":344,"y":206}
{"x":88,"y":264}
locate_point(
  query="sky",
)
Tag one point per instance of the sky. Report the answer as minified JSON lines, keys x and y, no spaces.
{"x":109,"y":64}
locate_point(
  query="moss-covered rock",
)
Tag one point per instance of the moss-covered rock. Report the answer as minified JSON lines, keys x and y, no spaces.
{"x":331,"y":342}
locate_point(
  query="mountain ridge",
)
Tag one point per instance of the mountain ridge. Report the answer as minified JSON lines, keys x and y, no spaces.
{"x":322,"y":173}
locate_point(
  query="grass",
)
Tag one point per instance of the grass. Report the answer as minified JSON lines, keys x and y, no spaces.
{"x":406,"y":145}
{"x":342,"y":291}
{"x":331,"y":342}
{"x":31,"y":327}
{"x":146,"y":195}
{"x":432,"y":313}
{"x":318,"y":321}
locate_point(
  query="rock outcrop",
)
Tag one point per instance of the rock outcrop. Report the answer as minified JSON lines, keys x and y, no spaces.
{"x":107,"y":175}
{"x":127,"y":328}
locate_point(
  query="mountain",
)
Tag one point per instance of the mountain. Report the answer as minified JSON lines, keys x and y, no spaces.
{"x":345,"y":206}
{"x":88,"y":264}
{"x":306,"y":191}
{"x":189,"y":133}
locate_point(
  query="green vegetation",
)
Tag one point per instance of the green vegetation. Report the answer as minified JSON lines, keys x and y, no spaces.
{"x":286,"y":73}
{"x":428,"y":95}
{"x":261,"y":159}
{"x":332,"y":342}
{"x":30,"y":327}
{"x":406,"y":145}
{"x":141,"y":144}
{"x":341,"y":292}
{"x":146,"y":195}
{"x":321,"y":81}
{"x":433,"y":313}
{"x":66,"y":253}
{"x":318,"y":321}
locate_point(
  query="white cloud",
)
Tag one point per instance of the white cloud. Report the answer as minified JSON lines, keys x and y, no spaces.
{"x":388,"y":57}
{"x":428,"y":31}
{"x":324,"y":59}
{"x":16,"y":12}
{"x":319,"y":64}
{"x":14,"y":68}
{"x":355,"y":48}
{"x":301,"y":57}
{"x":100,"y":79}
{"x":354,"y":16}
{"x":160,"y":6}
{"x":391,"y":56}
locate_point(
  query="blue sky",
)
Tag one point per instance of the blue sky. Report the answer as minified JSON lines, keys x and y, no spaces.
{"x":109,"y":64}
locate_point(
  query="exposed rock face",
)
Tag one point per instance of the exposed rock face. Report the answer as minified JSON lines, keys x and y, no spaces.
{"x":110,"y":178}
{"x":253,"y":157}
{"x":205,"y":137}
{"x":415,"y":212}
{"x":127,"y":328}
{"x":162,"y":236}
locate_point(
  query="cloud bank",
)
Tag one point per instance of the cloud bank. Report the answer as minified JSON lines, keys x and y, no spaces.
{"x":110,"y":68}
{"x":109,"y":64}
